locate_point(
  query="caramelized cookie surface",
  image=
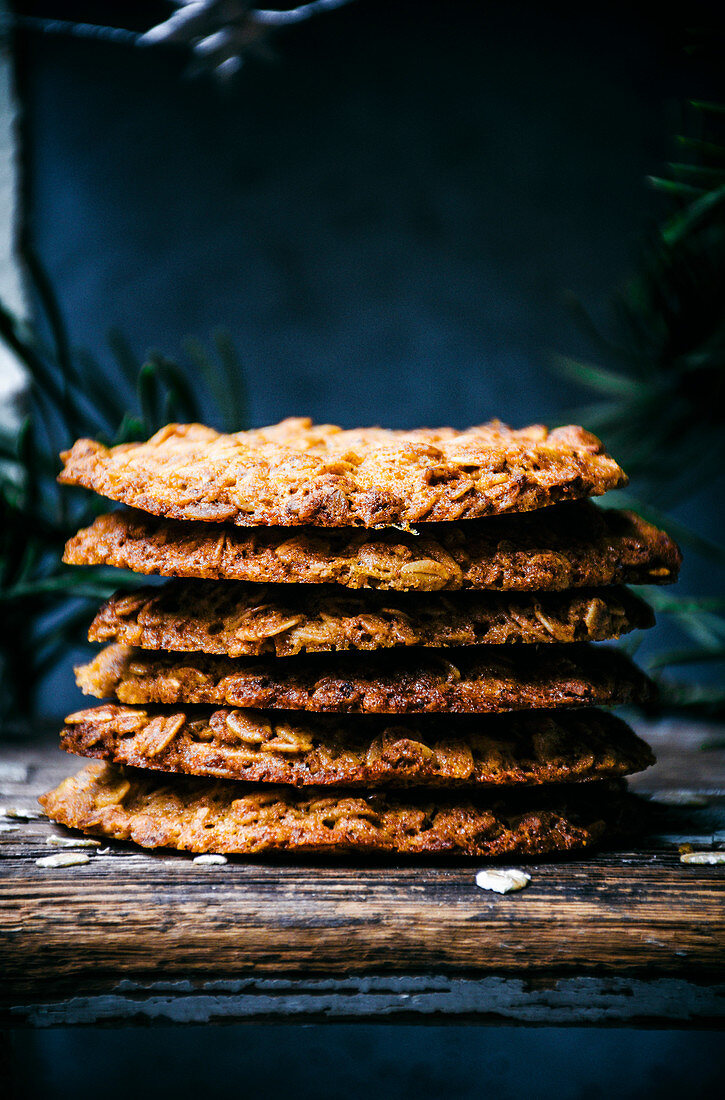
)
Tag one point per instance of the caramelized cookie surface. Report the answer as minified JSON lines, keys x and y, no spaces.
{"x":235,"y":620}
{"x":196,"y":815}
{"x":480,"y":680}
{"x":532,"y":747}
{"x":297,"y":472}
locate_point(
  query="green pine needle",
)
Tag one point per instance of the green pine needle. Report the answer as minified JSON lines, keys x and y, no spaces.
{"x":659,"y":396}
{"x":46,"y":605}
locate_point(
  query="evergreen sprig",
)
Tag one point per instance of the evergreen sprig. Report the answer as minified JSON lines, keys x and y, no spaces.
{"x":46,"y":605}
{"x":660,"y":385}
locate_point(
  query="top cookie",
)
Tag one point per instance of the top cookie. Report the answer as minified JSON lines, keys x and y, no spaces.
{"x":296,"y":473}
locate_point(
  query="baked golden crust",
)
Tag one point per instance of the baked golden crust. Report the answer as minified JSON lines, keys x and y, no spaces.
{"x":196,"y":815}
{"x":528,"y":748}
{"x":482,"y":680}
{"x":296,"y":473}
{"x":572,"y":545}
{"x":236,"y":619}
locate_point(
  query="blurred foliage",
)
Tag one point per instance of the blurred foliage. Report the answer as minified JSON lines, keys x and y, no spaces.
{"x":46,"y":606}
{"x":659,"y":385}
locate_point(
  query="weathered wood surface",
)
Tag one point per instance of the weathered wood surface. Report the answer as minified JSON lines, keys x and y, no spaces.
{"x":156,"y":936}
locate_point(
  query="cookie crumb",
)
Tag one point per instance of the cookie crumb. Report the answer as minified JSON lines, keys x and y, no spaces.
{"x":210,"y":860}
{"x":63,"y":859}
{"x":502,"y":881}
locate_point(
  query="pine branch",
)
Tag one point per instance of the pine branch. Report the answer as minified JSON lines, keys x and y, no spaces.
{"x":69,"y":396}
{"x":660,"y":396}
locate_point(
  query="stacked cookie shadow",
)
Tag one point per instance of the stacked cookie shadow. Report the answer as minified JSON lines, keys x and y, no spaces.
{"x":370,"y":641}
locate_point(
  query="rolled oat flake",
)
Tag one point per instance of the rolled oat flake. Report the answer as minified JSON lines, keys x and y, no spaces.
{"x":502,"y":881}
{"x":63,"y":859}
{"x":55,"y":841}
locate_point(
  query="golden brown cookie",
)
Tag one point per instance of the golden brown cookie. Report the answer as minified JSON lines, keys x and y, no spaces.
{"x":567,"y":546}
{"x":480,"y":680}
{"x":532,"y":747}
{"x":296,"y":473}
{"x":235,"y":619}
{"x":196,"y":815}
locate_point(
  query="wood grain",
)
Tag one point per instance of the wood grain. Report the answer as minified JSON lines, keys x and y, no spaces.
{"x":138,"y":917}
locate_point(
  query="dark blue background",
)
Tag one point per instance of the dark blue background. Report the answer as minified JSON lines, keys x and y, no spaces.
{"x":387,"y":221}
{"x":360,"y":1061}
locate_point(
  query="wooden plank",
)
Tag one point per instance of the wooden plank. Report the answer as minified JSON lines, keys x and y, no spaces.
{"x":592,"y":1000}
{"x":138,"y":917}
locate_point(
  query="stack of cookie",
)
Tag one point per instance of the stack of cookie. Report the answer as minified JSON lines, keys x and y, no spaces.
{"x":373,"y":641}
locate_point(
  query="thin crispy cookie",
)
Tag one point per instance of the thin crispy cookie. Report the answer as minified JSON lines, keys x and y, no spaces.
{"x":296,"y":473}
{"x":482,"y":680}
{"x":196,"y":815}
{"x":235,"y":619}
{"x":568,"y":546}
{"x":529,"y":748}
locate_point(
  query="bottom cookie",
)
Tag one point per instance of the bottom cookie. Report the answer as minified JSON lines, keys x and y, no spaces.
{"x":201,"y":815}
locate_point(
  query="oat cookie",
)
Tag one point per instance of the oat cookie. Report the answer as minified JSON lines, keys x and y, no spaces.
{"x":532,"y":747}
{"x":236,"y":619}
{"x":481,"y":680}
{"x":297,"y":472}
{"x":196,"y":815}
{"x":571,"y":545}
